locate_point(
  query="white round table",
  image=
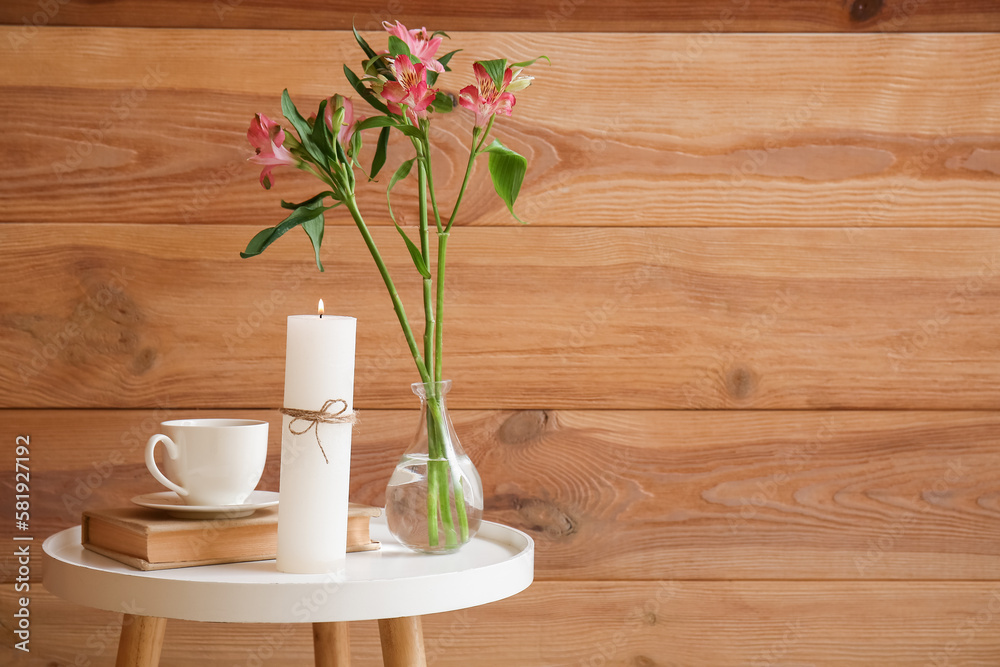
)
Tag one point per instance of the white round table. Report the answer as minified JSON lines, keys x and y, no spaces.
{"x":394,"y":585}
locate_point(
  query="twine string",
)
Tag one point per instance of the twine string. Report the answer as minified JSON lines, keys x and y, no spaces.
{"x":322,"y":416}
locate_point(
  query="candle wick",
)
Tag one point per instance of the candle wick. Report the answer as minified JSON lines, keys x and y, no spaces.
{"x":321,"y":316}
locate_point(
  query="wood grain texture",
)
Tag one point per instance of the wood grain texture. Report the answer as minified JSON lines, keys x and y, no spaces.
{"x":617,"y":624}
{"x":708,"y":17}
{"x":632,"y":495}
{"x":141,"y":641}
{"x":402,"y":642}
{"x":853,"y":130}
{"x":146,"y":316}
{"x":331,"y":644}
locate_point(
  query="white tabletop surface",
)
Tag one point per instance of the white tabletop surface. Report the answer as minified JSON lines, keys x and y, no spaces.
{"x":388,"y":583}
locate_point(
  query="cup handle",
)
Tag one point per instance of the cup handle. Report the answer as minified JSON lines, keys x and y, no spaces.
{"x":151,"y":462}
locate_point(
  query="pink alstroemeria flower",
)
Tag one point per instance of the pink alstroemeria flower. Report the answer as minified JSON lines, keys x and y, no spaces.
{"x":409,"y":88}
{"x":485,"y":98}
{"x":267,"y":138}
{"x":344,"y":132}
{"x":421,"y":45}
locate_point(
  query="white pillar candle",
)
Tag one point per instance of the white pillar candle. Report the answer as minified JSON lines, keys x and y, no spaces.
{"x":312,"y":511}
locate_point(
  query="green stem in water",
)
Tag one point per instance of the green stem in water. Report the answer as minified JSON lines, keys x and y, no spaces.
{"x":437,"y":436}
{"x":432,"y":503}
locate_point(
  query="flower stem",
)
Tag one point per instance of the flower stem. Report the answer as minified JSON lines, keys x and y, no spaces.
{"x":397,"y":304}
{"x":439,"y":469}
{"x":425,"y":251}
{"x":430,"y":185}
{"x":439,"y":343}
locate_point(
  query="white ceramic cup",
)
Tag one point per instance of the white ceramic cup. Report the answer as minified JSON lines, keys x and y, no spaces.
{"x":210,"y":462}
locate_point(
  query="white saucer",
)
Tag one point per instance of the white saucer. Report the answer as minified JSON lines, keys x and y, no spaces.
{"x":175,"y":507}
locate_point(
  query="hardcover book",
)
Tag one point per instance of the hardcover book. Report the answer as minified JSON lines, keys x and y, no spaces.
{"x":147,"y":539}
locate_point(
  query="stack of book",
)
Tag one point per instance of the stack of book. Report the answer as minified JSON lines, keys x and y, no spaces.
{"x":148,"y":539}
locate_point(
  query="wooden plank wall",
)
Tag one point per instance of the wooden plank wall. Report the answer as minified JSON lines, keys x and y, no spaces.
{"x":738,"y":377}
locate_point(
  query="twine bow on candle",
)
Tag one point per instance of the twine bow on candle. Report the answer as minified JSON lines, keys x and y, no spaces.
{"x":321,"y":416}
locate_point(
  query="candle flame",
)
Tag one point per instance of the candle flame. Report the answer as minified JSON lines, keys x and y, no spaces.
{"x":319,"y":308}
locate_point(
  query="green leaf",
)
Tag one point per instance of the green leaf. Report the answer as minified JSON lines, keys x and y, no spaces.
{"x":496,"y":69}
{"x":418,"y":260}
{"x":321,"y":133}
{"x":446,"y":58}
{"x":301,"y":126}
{"x":442,"y":103}
{"x":364,"y":45}
{"x":314,"y":228}
{"x":390,"y":121}
{"x":364,"y":92}
{"x":439,"y":32}
{"x":377,"y":65}
{"x":312,"y":201}
{"x":266,"y":237}
{"x":409,"y":130}
{"x":401,"y":172}
{"x":342,"y":158}
{"x":377,"y":121}
{"x":507,"y":170}
{"x":527,"y":63}
{"x":398,"y":47}
{"x":356,"y":144}
{"x":378,"y":161}
{"x":433,"y":76}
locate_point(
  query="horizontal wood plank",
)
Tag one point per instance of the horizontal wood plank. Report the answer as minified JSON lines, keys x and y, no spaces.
{"x":617,"y":624}
{"x":707,"y":17}
{"x":146,"y":316}
{"x":857,"y":131}
{"x":631,"y":495}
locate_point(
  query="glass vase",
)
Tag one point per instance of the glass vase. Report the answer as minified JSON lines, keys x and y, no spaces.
{"x":434,"y":501}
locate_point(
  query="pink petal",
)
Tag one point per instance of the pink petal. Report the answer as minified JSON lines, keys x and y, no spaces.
{"x":398,"y":30}
{"x":507,"y":76}
{"x":505,"y":103}
{"x":468,"y":97}
{"x":393,"y":92}
{"x":482,"y":77}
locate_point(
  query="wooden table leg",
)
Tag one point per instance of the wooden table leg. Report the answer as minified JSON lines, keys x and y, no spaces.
{"x":332,"y":644}
{"x":402,"y":642}
{"x":141,"y":641}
